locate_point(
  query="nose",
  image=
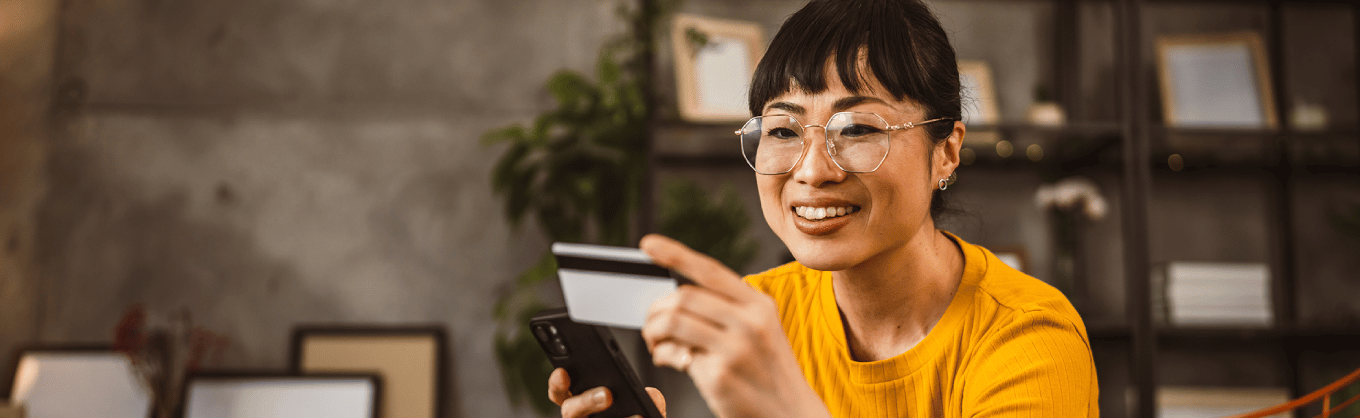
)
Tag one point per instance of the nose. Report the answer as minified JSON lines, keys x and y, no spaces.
{"x":817,"y":168}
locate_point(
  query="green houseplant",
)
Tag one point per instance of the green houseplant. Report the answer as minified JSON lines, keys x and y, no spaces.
{"x":577,"y":170}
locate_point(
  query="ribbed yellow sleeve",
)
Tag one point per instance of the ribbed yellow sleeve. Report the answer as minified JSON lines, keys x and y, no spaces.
{"x":1008,"y":345}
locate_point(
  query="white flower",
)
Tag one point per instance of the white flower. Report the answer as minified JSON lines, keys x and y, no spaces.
{"x":1072,"y":193}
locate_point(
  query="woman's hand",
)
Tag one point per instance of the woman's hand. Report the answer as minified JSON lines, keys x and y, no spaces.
{"x":726,"y":335}
{"x":590,"y":401}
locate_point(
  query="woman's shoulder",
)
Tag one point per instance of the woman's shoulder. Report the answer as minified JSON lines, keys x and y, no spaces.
{"x":1011,"y":290}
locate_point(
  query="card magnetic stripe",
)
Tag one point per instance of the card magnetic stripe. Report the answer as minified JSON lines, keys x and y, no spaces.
{"x":619,"y":267}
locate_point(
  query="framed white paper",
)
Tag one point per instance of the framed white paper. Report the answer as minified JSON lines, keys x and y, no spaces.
{"x":79,"y":382}
{"x":712,"y":77}
{"x":1215,"y":81}
{"x":979,"y":94}
{"x":280,"y":396}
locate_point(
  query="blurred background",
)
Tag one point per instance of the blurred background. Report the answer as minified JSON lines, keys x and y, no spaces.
{"x":251,"y":166}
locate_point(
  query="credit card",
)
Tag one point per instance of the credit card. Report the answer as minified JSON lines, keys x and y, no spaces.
{"x":611,"y":286}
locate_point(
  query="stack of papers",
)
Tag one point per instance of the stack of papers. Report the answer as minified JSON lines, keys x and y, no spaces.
{"x":1215,"y":402}
{"x":1217,"y":294}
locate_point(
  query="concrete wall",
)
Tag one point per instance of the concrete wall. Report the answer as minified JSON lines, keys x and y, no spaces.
{"x":265,"y":163}
{"x":27,"y":44}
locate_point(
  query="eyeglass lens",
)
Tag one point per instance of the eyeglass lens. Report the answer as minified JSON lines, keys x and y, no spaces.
{"x":856,"y":142}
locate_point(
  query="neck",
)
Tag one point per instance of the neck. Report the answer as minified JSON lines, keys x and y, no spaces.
{"x":890,"y":302}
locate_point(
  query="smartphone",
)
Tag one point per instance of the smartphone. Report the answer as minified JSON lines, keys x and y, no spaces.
{"x":592,"y":358}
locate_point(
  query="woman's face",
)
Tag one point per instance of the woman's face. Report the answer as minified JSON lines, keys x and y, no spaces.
{"x":885,"y":209}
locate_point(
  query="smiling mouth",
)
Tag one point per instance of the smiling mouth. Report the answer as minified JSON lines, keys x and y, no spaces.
{"x":812,"y":213}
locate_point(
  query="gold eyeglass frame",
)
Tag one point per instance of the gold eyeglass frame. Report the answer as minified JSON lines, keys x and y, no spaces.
{"x":830,"y":147}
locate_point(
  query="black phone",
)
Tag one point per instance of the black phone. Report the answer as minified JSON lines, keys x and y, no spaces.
{"x":592,"y":358}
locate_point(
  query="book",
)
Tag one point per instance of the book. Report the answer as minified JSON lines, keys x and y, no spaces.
{"x":1214,"y":402}
{"x":1213,"y":294}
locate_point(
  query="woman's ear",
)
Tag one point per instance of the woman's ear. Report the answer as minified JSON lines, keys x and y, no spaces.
{"x":947,"y":152}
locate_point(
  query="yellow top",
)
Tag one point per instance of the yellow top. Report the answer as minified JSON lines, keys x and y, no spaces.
{"x":1009,"y":345}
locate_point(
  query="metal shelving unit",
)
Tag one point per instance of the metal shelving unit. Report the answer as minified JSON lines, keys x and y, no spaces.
{"x":1135,"y":148}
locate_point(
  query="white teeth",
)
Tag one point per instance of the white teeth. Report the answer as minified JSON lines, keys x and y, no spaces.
{"x":812,"y":213}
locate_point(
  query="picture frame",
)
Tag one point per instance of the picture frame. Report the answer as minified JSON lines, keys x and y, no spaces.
{"x":979,"y":93}
{"x":269,"y":394}
{"x":714,"y":62}
{"x":11,"y":410}
{"x":77,"y":380}
{"x":1215,"y":81}
{"x":411,"y":360}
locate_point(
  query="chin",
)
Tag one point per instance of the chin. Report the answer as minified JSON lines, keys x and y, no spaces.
{"x":824,"y":256}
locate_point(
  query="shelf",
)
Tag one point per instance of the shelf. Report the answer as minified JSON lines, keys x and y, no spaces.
{"x":1254,"y":149}
{"x":1064,"y":148}
{"x":1259,"y":2}
{"x":1307,"y":337}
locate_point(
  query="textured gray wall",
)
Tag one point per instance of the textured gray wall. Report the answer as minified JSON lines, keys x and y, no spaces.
{"x":27,"y":43}
{"x":267,"y":163}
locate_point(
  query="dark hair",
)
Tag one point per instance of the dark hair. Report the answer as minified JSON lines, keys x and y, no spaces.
{"x":903,"y":43}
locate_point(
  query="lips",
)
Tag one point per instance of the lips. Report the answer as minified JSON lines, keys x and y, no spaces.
{"x":822,"y":216}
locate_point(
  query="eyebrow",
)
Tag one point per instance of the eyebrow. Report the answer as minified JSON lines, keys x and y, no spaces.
{"x":852,"y":101}
{"x":840,"y":105}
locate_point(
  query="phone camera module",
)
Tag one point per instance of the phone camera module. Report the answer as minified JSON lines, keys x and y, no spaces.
{"x":559,"y":348}
{"x":541,"y":331}
{"x":548,"y":336}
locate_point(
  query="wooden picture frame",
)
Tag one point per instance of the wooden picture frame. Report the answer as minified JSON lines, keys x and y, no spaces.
{"x":979,"y":94}
{"x":1215,"y":81}
{"x":11,"y":410}
{"x":712,"y":78}
{"x":411,"y":360}
{"x":303,"y":396}
{"x":79,"y":380}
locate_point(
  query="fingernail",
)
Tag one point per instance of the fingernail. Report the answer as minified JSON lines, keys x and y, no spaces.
{"x":599,"y":396}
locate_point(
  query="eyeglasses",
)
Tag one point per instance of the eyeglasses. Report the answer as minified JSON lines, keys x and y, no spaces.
{"x":857,"y":142}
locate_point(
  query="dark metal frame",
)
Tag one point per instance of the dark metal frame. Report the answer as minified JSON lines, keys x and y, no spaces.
{"x":1133,"y":136}
{"x":1144,"y":335}
{"x":436,"y":332}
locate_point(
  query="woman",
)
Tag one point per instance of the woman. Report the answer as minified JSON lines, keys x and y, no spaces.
{"x":882,"y":314}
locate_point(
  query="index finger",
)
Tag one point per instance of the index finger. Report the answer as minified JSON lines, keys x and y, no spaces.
{"x":702,"y":269}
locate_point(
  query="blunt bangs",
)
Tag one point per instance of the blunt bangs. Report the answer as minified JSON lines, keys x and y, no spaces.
{"x":902,"y":42}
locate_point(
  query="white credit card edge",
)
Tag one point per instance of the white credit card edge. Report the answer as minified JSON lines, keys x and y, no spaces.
{"x":602,"y":252}
{"x":610,"y":273}
{"x":617,"y":300}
